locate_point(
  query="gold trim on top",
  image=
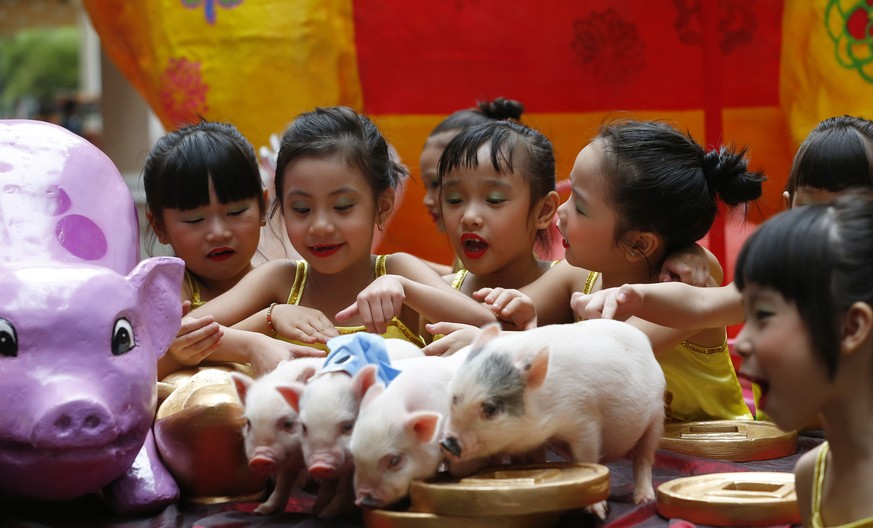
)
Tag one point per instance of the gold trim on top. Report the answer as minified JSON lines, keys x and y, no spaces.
{"x":459,"y":279}
{"x":299,"y":283}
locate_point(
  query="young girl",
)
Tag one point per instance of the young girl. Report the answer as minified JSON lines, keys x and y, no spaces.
{"x":808,"y":341}
{"x":639,"y":191}
{"x":334,"y":182}
{"x":837,"y":156}
{"x":204,"y":199}
{"x":497,"y":184}
{"x":485,"y":112}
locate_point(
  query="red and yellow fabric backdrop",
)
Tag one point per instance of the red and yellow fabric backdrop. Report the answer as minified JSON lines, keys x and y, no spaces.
{"x":760,"y":73}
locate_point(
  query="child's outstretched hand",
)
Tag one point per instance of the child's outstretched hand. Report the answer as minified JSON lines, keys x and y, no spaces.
{"x":514,"y":309}
{"x":303,"y":324}
{"x":610,"y":303}
{"x":377,"y":304}
{"x":197,"y":338}
{"x":455,"y":337}
{"x":265,"y":353}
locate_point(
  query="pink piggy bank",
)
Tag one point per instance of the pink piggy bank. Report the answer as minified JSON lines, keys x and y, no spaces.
{"x":82,"y":325}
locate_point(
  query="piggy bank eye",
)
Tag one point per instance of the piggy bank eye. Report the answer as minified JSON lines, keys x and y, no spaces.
{"x":122,"y":337}
{"x":8,"y":339}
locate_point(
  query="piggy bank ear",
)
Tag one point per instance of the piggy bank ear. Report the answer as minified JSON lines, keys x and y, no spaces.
{"x":534,"y":365}
{"x":292,"y":394}
{"x":242,"y":384}
{"x":158,"y":283}
{"x":423,"y":425}
{"x":486,"y":334}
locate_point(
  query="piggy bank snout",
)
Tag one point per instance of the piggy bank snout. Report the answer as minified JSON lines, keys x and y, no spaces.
{"x":76,"y":423}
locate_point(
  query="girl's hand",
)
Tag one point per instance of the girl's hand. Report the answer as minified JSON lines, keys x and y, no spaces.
{"x":610,"y":303}
{"x":515,"y":309}
{"x":265,"y":353}
{"x":690,"y":265}
{"x":455,"y":337}
{"x":197,"y":338}
{"x":303,"y":324}
{"x":377,"y":304}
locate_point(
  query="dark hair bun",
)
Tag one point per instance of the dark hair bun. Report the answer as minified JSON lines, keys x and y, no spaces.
{"x":501,"y":108}
{"x":727,"y":175}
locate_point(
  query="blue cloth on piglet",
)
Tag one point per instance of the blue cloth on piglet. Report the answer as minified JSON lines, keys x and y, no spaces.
{"x":351,"y":352}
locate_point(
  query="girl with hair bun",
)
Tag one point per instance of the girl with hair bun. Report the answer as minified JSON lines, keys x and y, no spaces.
{"x":641,"y":190}
{"x":498,"y":109}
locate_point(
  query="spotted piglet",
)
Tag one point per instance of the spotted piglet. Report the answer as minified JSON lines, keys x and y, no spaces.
{"x":593,"y":386}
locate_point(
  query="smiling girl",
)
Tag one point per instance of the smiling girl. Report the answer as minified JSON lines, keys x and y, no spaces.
{"x":334,"y":182}
{"x":808,"y":342}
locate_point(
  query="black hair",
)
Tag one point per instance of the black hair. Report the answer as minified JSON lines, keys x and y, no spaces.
{"x":339,"y":131}
{"x":514,"y":147}
{"x":179,"y":166}
{"x":661,"y":180}
{"x":818,"y":257}
{"x":484,"y":112}
{"x":837,"y":155}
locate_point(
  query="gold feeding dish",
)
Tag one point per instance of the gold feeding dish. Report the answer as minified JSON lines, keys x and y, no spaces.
{"x":734,"y":440}
{"x":731,"y":499}
{"x":513,"y":490}
{"x":397,"y":519}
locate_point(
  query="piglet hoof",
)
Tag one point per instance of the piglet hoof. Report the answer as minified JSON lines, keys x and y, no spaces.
{"x":599,"y":509}
{"x":643,"y":496}
{"x":267,"y":509}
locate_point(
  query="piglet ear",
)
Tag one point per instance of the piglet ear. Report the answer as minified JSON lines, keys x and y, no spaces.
{"x":534,"y":365}
{"x":292,"y":394}
{"x":242,"y":384}
{"x":486,"y":334}
{"x":363,"y":380}
{"x":158,"y":283}
{"x":423,"y":425}
{"x":305,"y":374}
{"x":374,"y":390}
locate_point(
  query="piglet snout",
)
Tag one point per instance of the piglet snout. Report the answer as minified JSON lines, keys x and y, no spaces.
{"x":450,"y":444}
{"x":368,"y":501}
{"x":320,"y":470}
{"x":262,"y":465}
{"x":76,"y":423}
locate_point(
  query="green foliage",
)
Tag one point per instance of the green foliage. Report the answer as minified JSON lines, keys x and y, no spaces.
{"x":41,"y":62}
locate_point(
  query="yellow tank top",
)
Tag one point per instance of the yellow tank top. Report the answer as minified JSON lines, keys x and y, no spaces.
{"x":195,"y":291}
{"x":458,"y":281}
{"x":701,"y":381}
{"x":396,"y":328}
{"x":817,"y":483}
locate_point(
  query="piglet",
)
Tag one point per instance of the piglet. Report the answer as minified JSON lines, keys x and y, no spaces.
{"x":592,"y":386}
{"x":396,"y":437}
{"x":271,"y":431}
{"x":328,"y":407}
